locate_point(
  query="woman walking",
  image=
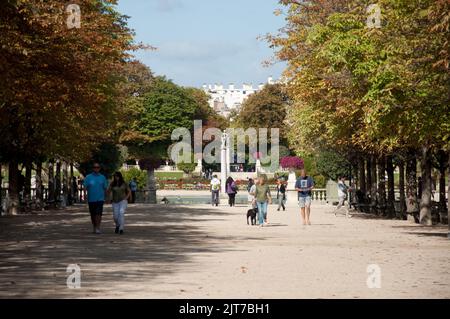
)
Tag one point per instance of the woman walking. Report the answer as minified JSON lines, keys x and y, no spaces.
{"x":281,"y":194}
{"x":263,"y":198}
{"x":120,"y":194}
{"x":231,"y":189}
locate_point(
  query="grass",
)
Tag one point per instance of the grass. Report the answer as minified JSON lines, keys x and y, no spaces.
{"x":169,"y":175}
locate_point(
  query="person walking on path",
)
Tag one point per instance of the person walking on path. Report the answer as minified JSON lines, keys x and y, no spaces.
{"x":304,"y":186}
{"x":281,"y":194}
{"x":120,"y":194}
{"x":251,"y":182}
{"x":250,"y":185}
{"x":263,"y":198}
{"x":96,"y":185}
{"x":215,"y":189}
{"x":133,"y":187}
{"x":342,"y":196}
{"x":231,"y":189}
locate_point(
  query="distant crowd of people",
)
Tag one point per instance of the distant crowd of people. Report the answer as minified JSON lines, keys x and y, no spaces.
{"x":260,"y":197}
{"x":98,"y":190}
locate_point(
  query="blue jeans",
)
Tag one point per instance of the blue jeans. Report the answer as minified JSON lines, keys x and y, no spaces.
{"x":262,"y":211}
{"x":215,"y":198}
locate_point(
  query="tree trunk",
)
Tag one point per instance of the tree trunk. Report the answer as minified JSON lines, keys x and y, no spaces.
{"x":72,"y":190}
{"x":1,"y":190}
{"x":51,"y":181}
{"x":401,"y":186}
{"x":151,"y":184}
{"x":448,"y":197}
{"x":27,"y":186}
{"x":65,"y":183}
{"x":39,"y":187}
{"x":381,"y":186}
{"x":443,"y":158}
{"x":369,"y":174}
{"x":411,"y":186}
{"x":425,"y":202}
{"x":362,"y":174}
{"x":391,"y":187}
{"x":13,"y":205}
{"x":373,"y":187}
{"x":58,"y":181}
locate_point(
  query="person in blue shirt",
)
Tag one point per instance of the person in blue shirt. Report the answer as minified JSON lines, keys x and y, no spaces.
{"x":304,"y":186}
{"x":133,"y":187}
{"x":96,"y":185}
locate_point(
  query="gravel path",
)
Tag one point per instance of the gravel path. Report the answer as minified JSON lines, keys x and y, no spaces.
{"x":205,"y":252}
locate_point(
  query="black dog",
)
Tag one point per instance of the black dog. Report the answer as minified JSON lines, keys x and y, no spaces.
{"x":251,"y":213}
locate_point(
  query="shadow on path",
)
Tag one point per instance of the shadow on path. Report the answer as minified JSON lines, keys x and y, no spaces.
{"x":35,"y":250}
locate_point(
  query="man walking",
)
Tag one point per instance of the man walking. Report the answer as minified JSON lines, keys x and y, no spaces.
{"x":215,"y":188}
{"x":96,"y":185}
{"x":304,"y":186}
{"x":342,"y":195}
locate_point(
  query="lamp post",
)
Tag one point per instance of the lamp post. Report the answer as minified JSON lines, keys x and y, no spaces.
{"x":225,"y":161}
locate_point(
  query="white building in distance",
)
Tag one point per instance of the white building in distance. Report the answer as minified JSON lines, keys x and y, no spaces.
{"x":224,"y":100}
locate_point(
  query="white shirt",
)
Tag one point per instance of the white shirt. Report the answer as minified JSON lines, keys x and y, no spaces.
{"x":215,"y":183}
{"x":341,"y":186}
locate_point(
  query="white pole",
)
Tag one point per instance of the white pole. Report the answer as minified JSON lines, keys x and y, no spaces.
{"x":223,"y":163}
{"x":228,"y":155}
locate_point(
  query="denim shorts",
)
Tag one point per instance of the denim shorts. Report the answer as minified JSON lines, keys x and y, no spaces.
{"x":304,"y":201}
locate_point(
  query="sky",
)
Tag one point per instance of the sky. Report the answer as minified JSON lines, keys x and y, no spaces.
{"x":206,"y":41}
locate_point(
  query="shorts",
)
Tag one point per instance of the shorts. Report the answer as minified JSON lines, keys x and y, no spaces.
{"x":96,"y":208}
{"x":304,"y":201}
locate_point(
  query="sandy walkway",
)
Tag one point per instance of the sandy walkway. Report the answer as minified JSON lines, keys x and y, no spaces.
{"x":205,"y":252}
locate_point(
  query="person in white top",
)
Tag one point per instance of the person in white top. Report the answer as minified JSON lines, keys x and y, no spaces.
{"x":251,"y":191}
{"x":215,"y":189}
{"x":342,"y":195}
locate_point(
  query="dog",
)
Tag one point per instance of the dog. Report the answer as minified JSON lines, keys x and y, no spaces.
{"x":165,"y":201}
{"x":252,"y":213}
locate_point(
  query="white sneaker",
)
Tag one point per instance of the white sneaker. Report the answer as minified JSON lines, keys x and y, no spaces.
{"x":97,"y":231}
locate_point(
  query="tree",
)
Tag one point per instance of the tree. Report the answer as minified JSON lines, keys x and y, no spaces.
{"x":162,"y":109}
{"x":187,"y":168}
{"x":372,"y":91}
{"x":109,"y":156}
{"x":264,"y":109}
{"x":58,"y":84}
{"x":332,"y":165}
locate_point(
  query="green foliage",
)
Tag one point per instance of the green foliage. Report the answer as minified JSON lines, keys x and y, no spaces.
{"x":141,"y":176}
{"x":264,"y":109}
{"x":59,"y":88}
{"x":168,"y":175}
{"x":188,"y":168}
{"x":331,"y":164}
{"x":109,"y":156}
{"x":362,"y":90}
{"x":165,"y":108}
